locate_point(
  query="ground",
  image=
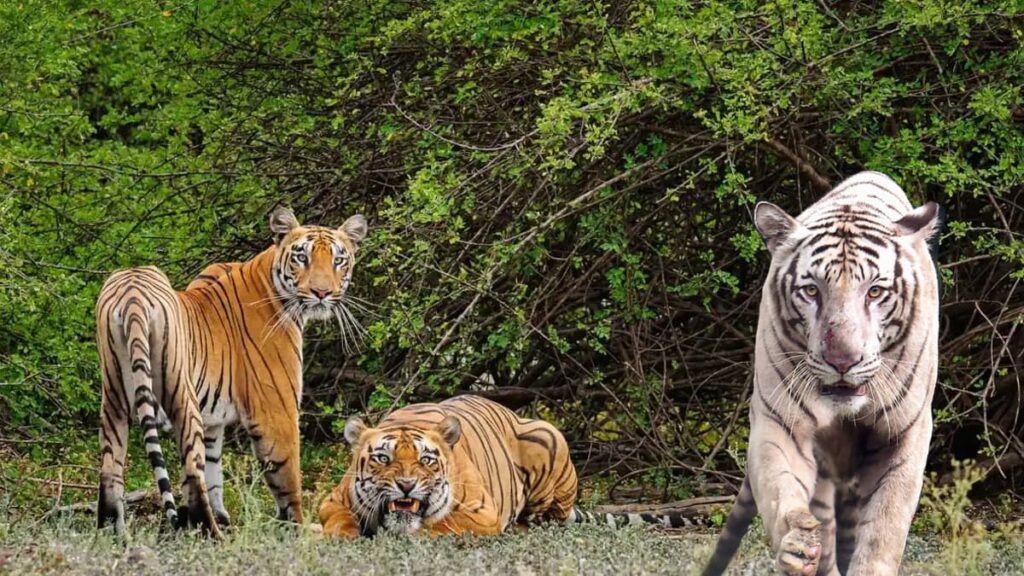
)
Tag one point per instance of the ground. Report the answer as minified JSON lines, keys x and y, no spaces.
{"x":262,"y":546}
{"x":44,"y":530}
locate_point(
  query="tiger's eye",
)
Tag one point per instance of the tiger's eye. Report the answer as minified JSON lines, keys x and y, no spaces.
{"x":874,"y":292}
{"x":811,"y":291}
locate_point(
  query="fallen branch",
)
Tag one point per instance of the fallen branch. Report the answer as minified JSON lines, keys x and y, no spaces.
{"x":516,"y":396}
{"x":133,"y":497}
{"x":688,"y":508}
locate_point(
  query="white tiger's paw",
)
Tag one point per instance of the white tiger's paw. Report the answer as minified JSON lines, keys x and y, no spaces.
{"x":800,"y":549}
{"x":223,"y":518}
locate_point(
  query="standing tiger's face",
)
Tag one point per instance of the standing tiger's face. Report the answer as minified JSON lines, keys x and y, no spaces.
{"x":844,"y":294}
{"x":402,"y":474}
{"x":313,"y":265}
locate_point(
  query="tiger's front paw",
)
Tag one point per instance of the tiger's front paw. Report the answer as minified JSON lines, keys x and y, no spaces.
{"x":800,"y":549}
{"x":223,"y":518}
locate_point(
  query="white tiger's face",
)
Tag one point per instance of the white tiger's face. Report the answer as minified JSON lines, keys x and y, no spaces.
{"x":847,"y":308}
{"x":844,"y":296}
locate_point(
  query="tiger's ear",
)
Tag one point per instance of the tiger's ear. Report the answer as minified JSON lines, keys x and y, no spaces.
{"x":450,"y":429}
{"x":282,"y":221}
{"x":774,"y":224}
{"x":355,"y":228}
{"x":922,"y":221}
{"x":354,"y":428}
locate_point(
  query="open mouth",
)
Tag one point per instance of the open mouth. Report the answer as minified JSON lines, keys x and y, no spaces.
{"x":410,"y":505}
{"x":843,"y":389}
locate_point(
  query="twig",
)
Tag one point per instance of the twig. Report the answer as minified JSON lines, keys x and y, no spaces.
{"x":25,"y":440}
{"x":824,"y":6}
{"x":59,"y":482}
{"x":135,"y":173}
{"x":394,"y":104}
{"x":820,"y":182}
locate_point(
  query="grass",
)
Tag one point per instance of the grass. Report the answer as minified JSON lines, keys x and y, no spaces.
{"x":34,"y":541}
{"x":547,"y":550}
{"x":70,"y":545}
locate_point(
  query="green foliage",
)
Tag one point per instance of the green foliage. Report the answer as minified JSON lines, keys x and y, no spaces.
{"x":944,"y":507}
{"x":99,"y":171}
{"x":559,"y":191}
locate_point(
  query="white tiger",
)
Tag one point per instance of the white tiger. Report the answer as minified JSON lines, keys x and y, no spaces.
{"x":845,"y":369}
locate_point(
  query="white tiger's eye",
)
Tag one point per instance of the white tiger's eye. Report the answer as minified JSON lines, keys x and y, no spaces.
{"x":875,"y":292}
{"x":811,"y":291}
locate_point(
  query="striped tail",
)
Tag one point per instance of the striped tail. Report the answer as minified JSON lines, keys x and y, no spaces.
{"x":631,"y":519}
{"x":736,"y":527}
{"x":140,"y":375}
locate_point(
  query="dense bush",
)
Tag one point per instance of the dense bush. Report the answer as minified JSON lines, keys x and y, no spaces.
{"x":559,"y":192}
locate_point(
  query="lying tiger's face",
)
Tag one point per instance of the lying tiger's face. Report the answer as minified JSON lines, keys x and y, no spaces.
{"x":844,"y":289}
{"x":313,"y":265}
{"x":401,"y":474}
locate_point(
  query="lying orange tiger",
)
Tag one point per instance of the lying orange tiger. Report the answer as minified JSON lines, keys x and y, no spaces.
{"x":466,"y":465}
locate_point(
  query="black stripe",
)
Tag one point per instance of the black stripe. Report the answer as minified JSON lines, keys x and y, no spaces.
{"x":881,"y":480}
{"x":156,"y":459}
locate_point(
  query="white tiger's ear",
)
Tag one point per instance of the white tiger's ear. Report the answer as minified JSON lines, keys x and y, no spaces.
{"x":354,"y":428}
{"x":282,"y":221}
{"x":922,"y":221}
{"x":355,"y":228}
{"x":450,"y":429}
{"x":774,"y":224}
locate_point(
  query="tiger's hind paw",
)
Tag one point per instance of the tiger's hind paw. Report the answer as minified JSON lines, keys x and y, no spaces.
{"x":800,"y":549}
{"x":191,"y":518}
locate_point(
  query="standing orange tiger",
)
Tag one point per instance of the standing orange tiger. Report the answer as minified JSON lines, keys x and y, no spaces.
{"x":227,"y":350}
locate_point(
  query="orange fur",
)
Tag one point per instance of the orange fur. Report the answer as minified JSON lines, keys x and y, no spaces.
{"x":501,"y":470}
{"x":226,"y":350}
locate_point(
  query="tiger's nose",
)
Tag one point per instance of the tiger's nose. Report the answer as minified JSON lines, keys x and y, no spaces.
{"x":321,"y":294}
{"x":405,"y":485}
{"x":841,"y":362}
